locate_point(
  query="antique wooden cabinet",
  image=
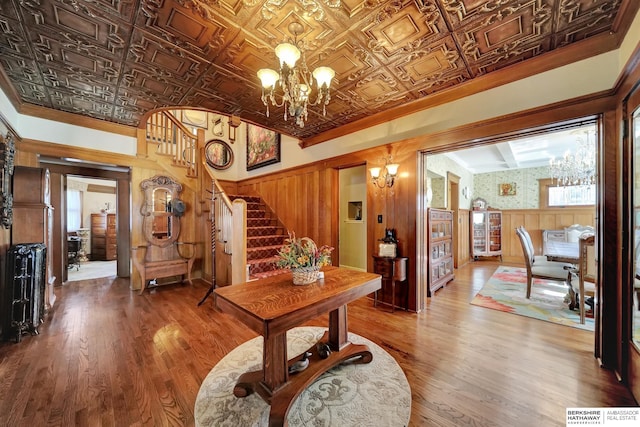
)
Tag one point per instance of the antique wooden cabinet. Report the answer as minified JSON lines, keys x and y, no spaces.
{"x":392,"y":270}
{"x":486,"y":233}
{"x":440,"y":248}
{"x":33,"y":216}
{"x":104,"y":244}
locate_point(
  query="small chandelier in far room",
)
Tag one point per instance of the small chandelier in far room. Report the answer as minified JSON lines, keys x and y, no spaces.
{"x":578,"y":168}
{"x":295,"y":80}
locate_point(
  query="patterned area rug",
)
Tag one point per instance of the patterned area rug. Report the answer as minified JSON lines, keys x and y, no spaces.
{"x":506,"y":291}
{"x":372,"y":394}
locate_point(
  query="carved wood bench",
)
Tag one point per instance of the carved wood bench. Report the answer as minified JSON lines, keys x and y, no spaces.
{"x":154,"y":262}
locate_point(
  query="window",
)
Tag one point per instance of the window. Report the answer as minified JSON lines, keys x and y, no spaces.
{"x":555,"y":196}
{"x":74,"y":210}
{"x":575,"y":195}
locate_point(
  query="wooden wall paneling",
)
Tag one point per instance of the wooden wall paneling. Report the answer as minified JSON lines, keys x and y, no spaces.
{"x":535,"y":221}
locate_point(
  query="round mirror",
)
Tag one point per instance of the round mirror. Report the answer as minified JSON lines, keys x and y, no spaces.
{"x":218,"y":154}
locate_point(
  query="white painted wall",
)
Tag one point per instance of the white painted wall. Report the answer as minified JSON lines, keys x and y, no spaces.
{"x":353,"y":233}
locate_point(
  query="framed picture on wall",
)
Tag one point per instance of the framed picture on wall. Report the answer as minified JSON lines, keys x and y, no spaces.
{"x":507,"y":189}
{"x":263,"y":147}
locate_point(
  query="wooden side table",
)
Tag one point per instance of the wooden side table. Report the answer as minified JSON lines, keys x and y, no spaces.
{"x":391,"y":269}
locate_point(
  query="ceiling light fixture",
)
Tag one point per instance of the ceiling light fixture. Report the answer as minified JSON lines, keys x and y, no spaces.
{"x":388,"y":179}
{"x":295,"y":80}
{"x":578,"y":169}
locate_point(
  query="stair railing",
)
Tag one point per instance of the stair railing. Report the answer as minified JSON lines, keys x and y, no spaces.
{"x":173,"y":139}
{"x":229,"y":227}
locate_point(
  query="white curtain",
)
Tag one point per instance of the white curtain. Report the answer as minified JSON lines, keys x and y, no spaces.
{"x":74,"y":210}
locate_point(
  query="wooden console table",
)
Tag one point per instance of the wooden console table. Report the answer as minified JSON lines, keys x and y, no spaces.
{"x":273,"y":305}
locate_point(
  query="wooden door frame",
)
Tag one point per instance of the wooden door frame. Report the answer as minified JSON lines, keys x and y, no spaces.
{"x":453,"y":204}
{"x":123,"y":194}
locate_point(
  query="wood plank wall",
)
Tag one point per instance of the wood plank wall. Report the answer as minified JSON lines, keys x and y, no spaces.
{"x":535,"y":221}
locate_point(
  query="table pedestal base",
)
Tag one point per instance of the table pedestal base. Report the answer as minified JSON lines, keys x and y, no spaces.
{"x":282,"y":398}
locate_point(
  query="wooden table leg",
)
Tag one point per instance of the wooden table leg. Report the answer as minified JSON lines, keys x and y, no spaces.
{"x":274,"y":374}
{"x":338,"y":328}
{"x":274,"y":384}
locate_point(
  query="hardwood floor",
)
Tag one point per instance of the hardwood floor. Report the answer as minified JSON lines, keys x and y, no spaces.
{"x":108,"y":356}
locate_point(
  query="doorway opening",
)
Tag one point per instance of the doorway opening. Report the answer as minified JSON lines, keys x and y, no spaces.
{"x":91,"y":220}
{"x":353,"y":213}
{"x":105,"y":187}
{"x":511,"y":174}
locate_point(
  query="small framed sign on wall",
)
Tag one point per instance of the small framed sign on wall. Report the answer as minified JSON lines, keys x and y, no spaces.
{"x":507,"y":189}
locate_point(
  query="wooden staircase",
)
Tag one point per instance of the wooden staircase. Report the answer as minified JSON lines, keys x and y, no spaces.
{"x":168,"y":137}
{"x":265,"y":236}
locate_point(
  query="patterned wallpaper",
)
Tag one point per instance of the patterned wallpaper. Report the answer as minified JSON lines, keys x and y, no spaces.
{"x":525,"y":182}
{"x":486,"y":185}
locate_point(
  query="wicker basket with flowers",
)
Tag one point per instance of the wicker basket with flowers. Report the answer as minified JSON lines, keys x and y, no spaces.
{"x":303,"y":257}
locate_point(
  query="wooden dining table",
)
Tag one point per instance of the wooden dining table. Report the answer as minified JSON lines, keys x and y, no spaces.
{"x":561,"y":251}
{"x":273,"y":305}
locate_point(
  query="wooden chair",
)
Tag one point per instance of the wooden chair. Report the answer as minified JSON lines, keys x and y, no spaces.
{"x":586,"y":274}
{"x":538,"y":267}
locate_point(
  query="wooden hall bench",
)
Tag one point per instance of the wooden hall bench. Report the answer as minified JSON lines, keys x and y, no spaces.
{"x":163,"y":256}
{"x":153,"y":262}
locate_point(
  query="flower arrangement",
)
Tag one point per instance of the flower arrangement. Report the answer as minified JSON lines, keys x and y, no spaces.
{"x":303,"y":253}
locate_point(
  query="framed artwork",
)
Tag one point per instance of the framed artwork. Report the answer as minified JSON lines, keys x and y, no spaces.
{"x":507,"y":189}
{"x":263,"y":147}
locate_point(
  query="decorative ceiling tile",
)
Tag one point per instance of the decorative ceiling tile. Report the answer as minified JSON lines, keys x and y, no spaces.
{"x":118,"y":59}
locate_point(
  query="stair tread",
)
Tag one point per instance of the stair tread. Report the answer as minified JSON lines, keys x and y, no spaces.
{"x":263,"y":260}
{"x":264,"y":248}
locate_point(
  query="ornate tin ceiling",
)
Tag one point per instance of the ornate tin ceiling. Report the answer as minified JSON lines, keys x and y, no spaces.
{"x":116,"y":59}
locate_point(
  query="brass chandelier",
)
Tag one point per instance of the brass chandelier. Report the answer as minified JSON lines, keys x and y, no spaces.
{"x":295,"y":80}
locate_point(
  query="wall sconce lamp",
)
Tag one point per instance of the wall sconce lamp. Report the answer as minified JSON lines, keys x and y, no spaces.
{"x":391,"y":171}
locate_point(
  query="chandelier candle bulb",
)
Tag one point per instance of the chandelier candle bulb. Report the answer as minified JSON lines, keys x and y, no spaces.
{"x":287,"y":54}
{"x":268,"y":77}
{"x":323,"y":76}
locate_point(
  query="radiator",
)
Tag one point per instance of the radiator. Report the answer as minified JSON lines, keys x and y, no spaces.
{"x":23,"y":302}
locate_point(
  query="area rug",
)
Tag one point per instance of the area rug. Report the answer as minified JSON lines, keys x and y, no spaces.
{"x":506,"y":291}
{"x":372,"y":394}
